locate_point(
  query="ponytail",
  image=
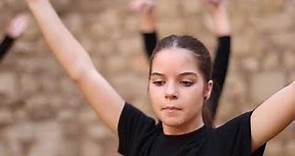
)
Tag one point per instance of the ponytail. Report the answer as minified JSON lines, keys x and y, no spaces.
{"x":207,"y":115}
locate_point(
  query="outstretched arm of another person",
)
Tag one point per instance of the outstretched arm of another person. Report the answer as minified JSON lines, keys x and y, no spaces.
{"x":5,"y":46}
{"x":77,"y":63}
{"x":14,"y":29}
{"x":272,"y":116}
{"x":147,"y":23}
{"x":218,"y":11}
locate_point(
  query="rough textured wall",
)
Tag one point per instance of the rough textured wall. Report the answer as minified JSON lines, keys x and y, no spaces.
{"x":43,"y":113}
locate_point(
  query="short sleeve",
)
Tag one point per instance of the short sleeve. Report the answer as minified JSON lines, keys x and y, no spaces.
{"x":132,"y":126}
{"x":235,"y":137}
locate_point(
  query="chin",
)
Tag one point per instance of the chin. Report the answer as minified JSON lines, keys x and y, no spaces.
{"x":172,"y":122}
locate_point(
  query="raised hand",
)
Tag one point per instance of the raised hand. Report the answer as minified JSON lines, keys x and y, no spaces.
{"x":141,"y":5}
{"x":18,"y":25}
{"x":218,"y":11}
{"x":214,"y":2}
{"x":146,"y":9}
{"x":29,"y":1}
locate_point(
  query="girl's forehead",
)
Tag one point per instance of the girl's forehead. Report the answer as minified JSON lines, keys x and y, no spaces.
{"x":174,"y":54}
{"x":175,"y":60}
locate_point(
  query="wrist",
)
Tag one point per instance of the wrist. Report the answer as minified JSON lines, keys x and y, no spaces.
{"x":9,"y":37}
{"x":221,"y":20}
{"x":219,"y":10}
{"x":35,"y":4}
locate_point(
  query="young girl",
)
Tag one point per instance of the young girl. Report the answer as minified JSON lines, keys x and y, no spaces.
{"x":179,"y":85}
{"x":221,"y":28}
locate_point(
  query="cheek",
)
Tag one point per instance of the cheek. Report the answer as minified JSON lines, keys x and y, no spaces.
{"x":193,"y":96}
{"x":156,"y":96}
{"x":154,"y":93}
{"x":154,"y":90}
{"x":193,"y":102}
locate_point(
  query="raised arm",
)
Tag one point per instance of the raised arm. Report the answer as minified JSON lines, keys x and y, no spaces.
{"x":5,"y":45}
{"x":218,"y":11}
{"x":272,"y":116}
{"x":15,"y":29}
{"x":147,"y":24}
{"x":77,"y":63}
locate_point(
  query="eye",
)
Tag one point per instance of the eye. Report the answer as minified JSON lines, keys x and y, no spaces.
{"x":159,"y":82}
{"x":186,"y":83}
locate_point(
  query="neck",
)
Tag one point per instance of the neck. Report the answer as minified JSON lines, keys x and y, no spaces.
{"x":184,"y":128}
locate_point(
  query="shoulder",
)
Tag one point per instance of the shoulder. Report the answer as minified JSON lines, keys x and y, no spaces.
{"x":133,"y":126}
{"x":235,"y":137}
{"x":131,"y":113}
{"x":238,"y":122}
{"x":238,"y":128}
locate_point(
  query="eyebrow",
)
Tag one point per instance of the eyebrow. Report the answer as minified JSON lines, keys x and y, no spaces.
{"x":181,"y":74}
{"x":156,"y":74}
{"x":188,"y":73}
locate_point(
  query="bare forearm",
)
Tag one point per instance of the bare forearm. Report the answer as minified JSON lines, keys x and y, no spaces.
{"x":64,"y":46}
{"x":221,"y":20}
{"x":148,"y":23}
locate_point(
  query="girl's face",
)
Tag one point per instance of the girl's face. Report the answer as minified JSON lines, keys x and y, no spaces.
{"x":177,"y":90}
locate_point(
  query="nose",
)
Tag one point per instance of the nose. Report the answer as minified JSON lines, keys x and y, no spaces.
{"x":171,"y":92}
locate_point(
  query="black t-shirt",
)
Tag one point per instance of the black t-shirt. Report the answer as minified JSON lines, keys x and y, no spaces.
{"x":140,"y":135}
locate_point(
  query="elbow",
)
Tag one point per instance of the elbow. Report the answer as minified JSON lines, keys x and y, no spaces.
{"x":79,"y":70}
{"x":82,"y":75}
{"x":77,"y":74}
{"x":292,"y":94}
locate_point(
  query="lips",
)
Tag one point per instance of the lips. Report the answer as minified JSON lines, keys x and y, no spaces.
{"x":171,"y":108}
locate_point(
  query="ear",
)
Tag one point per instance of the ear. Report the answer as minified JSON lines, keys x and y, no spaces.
{"x":208,"y":89}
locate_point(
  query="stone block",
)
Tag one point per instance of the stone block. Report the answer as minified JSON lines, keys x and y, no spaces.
{"x":167,"y":11}
{"x":6,"y":117}
{"x":264,"y":84}
{"x":9,"y":84}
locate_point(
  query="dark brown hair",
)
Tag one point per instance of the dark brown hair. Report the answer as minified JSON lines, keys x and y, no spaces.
{"x":202,"y":57}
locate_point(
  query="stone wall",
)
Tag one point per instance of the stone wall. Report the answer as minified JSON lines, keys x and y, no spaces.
{"x":43,"y":113}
